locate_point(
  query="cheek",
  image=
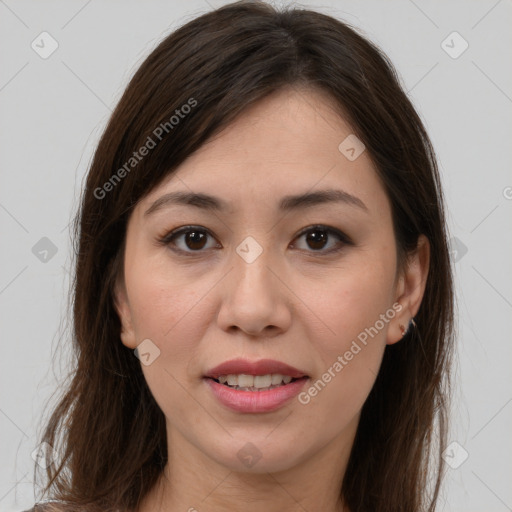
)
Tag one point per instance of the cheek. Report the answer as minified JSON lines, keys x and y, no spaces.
{"x":351,"y":357}
{"x":350,"y":301}
{"x":170,"y":315}
{"x":355,"y":307}
{"x":168,"y":311}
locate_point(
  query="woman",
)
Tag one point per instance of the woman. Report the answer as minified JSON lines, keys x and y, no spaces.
{"x":263,"y":302}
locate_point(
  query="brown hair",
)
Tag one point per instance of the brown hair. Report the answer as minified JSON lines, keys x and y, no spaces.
{"x":109,"y":430}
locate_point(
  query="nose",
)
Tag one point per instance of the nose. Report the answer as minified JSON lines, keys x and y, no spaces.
{"x":255,"y":298}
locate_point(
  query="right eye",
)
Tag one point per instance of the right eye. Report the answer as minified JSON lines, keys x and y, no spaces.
{"x":190,"y":239}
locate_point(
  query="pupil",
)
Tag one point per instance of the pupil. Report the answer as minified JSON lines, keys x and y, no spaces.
{"x":194,"y":237}
{"x":312,"y":239}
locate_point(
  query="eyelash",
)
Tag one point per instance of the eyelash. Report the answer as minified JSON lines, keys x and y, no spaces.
{"x":167,"y":239}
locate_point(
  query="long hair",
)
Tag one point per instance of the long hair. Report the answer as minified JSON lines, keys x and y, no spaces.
{"x":107,"y":429}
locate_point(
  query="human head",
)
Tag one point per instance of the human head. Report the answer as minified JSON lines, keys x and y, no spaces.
{"x":220,"y":78}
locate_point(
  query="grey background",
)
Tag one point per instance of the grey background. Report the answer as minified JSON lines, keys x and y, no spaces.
{"x":53,"y":111}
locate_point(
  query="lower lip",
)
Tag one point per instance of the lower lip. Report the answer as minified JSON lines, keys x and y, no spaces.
{"x":256,"y":401}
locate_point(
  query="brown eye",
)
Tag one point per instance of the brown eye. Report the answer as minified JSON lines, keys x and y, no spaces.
{"x":188,"y":239}
{"x":192,"y":239}
{"x":195,"y":240}
{"x":317,"y":238}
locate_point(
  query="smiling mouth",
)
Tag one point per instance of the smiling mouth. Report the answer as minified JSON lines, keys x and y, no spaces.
{"x":243,"y":382}
{"x":251,"y":387}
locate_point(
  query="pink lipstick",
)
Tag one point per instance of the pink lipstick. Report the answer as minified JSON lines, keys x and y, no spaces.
{"x":255,"y":386}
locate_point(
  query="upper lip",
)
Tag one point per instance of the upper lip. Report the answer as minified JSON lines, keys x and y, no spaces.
{"x":261,"y":367}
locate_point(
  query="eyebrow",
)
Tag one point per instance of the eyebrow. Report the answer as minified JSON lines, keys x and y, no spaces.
{"x":286,"y":204}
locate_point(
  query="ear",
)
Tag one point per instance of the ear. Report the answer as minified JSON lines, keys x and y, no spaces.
{"x":123,"y":310}
{"x":410,"y":289}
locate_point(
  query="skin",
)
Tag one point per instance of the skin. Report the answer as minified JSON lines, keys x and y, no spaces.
{"x":295,"y":303}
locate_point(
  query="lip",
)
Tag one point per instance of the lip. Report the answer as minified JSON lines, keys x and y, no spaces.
{"x":255,"y":401}
{"x":261,"y":367}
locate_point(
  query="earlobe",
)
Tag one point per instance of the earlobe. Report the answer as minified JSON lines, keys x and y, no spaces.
{"x":410,"y":291}
{"x":122,"y":307}
{"x":404,"y":330}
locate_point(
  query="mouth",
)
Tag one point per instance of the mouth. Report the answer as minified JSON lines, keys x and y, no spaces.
{"x":251,"y":387}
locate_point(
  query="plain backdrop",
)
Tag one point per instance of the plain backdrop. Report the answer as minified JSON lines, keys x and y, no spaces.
{"x":454,"y":59}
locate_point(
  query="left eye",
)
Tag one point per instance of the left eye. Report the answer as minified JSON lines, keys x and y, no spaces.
{"x":317,"y":237}
{"x":195,"y":239}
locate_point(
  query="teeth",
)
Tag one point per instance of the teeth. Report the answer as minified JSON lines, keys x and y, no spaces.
{"x":244,"y":381}
{"x":255,"y":381}
{"x":261,"y":381}
{"x":276,"y":379}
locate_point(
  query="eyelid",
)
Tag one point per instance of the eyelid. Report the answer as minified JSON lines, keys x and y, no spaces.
{"x":165,"y":240}
{"x":344,"y":239}
{"x":328,"y":229}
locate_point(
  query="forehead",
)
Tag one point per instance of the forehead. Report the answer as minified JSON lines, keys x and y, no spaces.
{"x":288,"y":143}
{"x":287,"y":126}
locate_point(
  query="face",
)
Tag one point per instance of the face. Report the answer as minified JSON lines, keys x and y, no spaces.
{"x":247,"y":276}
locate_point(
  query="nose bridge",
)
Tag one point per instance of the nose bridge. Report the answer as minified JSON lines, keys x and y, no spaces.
{"x":251,"y":261}
{"x":253,"y":300}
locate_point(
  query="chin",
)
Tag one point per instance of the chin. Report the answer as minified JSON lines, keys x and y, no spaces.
{"x":249,"y":453}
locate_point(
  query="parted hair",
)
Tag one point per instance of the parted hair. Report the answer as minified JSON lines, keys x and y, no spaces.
{"x":106,"y":427}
